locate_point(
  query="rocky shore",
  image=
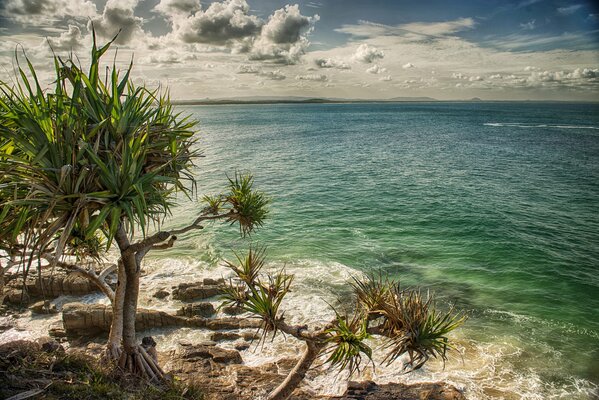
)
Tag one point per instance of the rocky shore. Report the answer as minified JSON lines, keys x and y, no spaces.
{"x":219,"y":372}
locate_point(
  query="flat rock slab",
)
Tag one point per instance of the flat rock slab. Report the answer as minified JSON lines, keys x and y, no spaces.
{"x":399,"y":391}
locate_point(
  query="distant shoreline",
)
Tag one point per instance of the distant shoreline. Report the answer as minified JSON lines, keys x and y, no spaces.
{"x":356,"y":101}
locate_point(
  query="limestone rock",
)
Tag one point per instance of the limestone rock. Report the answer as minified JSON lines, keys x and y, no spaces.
{"x":232,"y":310}
{"x":399,"y":391}
{"x":220,"y":336}
{"x":161,"y":294}
{"x":197,"y":310}
{"x":195,"y":291}
{"x":43,"y":307}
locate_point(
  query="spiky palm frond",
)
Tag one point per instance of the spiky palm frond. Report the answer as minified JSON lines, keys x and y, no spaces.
{"x":347,"y":343}
{"x":248,"y":267}
{"x":414,"y":326}
{"x":92,"y":153}
{"x":247,"y":206}
{"x":264,"y":300}
{"x":373,"y":292}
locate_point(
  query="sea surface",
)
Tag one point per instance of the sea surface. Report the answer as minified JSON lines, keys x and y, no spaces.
{"x":494,"y":207}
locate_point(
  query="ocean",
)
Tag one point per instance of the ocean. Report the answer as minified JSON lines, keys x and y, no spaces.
{"x":494,"y":207}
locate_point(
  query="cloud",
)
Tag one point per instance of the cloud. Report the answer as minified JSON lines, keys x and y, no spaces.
{"x":439,"y":28}
{"x":177,"y":7}
{"x":275,"y":75}
{"x":43,"y":12}
{"x":367,"y":54}
{"x":118,"y":16}
{"x":376,"y":69}
{"x":529,"y":26}
{"x":247,"y":69}
{"x":312,"y":77}
{"x":570,"y":9}
{"x":283,"y":38}
{"x":386,"y":78}
{"x":408,"y":66}
{"x":220,"y":23}
{"x":67,"y":41}
{"x":331,"y":63}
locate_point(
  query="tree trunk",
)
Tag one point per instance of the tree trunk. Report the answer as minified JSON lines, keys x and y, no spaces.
{"x":297,"y":374}
{"x":116,"y":328}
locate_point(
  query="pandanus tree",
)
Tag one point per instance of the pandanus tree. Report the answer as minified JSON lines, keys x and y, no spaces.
{"x":408,"y":321}
{"x":97,"y":161}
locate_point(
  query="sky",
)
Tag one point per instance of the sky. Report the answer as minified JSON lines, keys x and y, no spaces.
{"x":352,"y":49}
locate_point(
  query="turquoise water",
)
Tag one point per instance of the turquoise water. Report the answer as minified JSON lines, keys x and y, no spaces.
{"x":494,"y":206}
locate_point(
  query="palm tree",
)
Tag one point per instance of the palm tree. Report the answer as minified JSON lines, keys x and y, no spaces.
{"x":100,"y":160}
{"x":409,"y":321}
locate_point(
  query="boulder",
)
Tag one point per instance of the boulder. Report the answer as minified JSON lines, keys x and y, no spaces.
{"x":195,"y":291}
{"x":161,"y":294}
{"x":43,"y":307}
{"x":232,"y":310}
{"x":220,"y":336}
{"x":197,"y":310}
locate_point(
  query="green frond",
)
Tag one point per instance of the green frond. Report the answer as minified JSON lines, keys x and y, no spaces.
{"x":347,"y":343}
{"x":248,"y":267}
{"x":248,"y":207}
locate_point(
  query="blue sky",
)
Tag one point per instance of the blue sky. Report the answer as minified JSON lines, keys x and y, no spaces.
{"x":529,"y":49}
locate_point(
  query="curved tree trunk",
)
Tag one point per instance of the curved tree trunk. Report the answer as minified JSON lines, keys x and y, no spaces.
{"x":116,"y":328}
{"x":297,"y":374}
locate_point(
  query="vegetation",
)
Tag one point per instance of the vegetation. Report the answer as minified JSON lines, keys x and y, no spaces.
{"x":408,"y":320}
{"x":29,"y":372}
{"x":95,"y":162}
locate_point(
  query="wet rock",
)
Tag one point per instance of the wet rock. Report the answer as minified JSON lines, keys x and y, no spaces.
{"x":219,"y":355}
{"x":43,"y":307}
{"x":398,"y":391}
{"x":232,"y":310}
{"x":220,"y":336}
{"x":195,"y":291}
{"x":232,"y":323}
{"x":49,"y":286}
{"x":161,"y":294}
{"x":197,"y":310}
{"x":242,"y":346}
{"x":16,"y":296}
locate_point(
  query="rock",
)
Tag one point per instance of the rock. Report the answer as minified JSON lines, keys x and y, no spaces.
{"x":49,"y":345}
{"x":220,"y":336}
{"x":161,"y":294}
{"x":242,"y":346}
{"x":232,"y":310}
{"x":92,"y":319}
{"x":197,"y":310}
{"x":56,"y":330}
{"x":398,"y":391}
{"x":213,"y":282}
{"x":16,"y":296}
{"x":219,"y":355}
{"x":43,"y":307}
{"x":250,"y":336}
{"x":195,"y":291}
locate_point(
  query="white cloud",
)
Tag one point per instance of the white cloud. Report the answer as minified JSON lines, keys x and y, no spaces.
{"x":331,"y":63}
{"x":386,"y":78}
{"x":439,"y":28}
{"x":529,"y":26}
{"x":376,"y":69}
{"x":220,"y":23}
{"x":570,"y":9}
{"x":247,"y":69}
{"x":408,"y":66}
{"x":368,"y":54}
{"x":118,"y":17}
{"x":283,"y":39}
{"x":67,"y":41}
{"x":312,"y":77}
{"x":174,"y":8}
{"x":275,"y":75}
